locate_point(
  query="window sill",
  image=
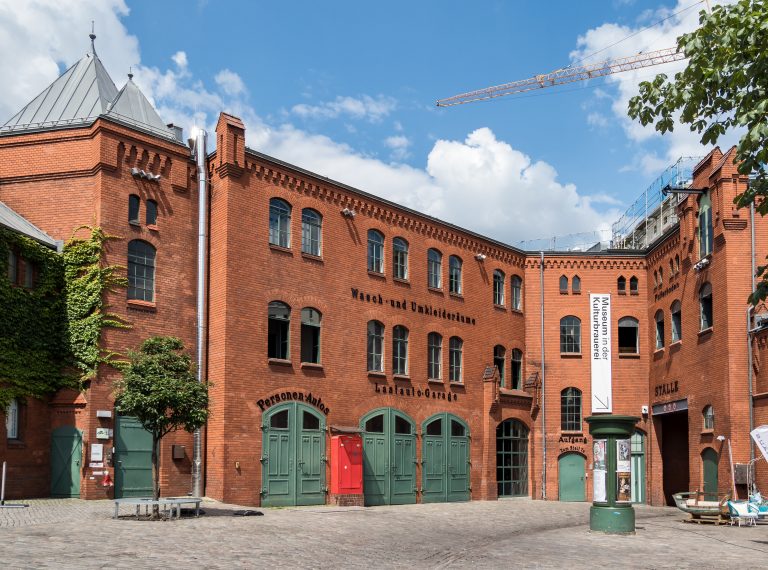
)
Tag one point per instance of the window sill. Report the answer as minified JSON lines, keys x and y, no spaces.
{"x":311,"y":365}
{"x":575,"y":292}
{"x":457,"y":296}
{"x":280,"y":248}
{"x":134,"y":223}
{"x":279,"y":362}
{"x":401,"y":280}
{"x":622,"y":292}
{"x":659,"y":350}
{"x":518,"y":311}
{"x":629,"y":355}
{"x":705,"y":331}
{"x":142,"y":305}
{"x":377,"y":374}
{"x":563,"y":292}
{"x":634,"y":292}
{"x":401,"y":377}
{"x":437,"y":290}
{"x":153,"y":228}
{"x":377,"y":274}
{"x":570,"y":355}
{"x":706,"y":431}
{"x":456,"y":383}
{"x":16,"y":444}
{"x":572,"y":431}
{"x":675,"y":343}
{"x":312,"y":257}
{"x":499,"y":307}
{"x":435,"y":381}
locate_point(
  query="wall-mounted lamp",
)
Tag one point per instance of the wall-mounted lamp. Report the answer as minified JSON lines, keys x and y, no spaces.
{"x":348,"y":213}
{"x":146,"y":175}
{"x":480,"y":256}
{"x":701,"y":264}
{"x":720,"y":438}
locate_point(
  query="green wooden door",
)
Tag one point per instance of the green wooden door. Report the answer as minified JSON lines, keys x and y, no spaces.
{"x":132,"y":459}
{"x":66,"y":460}
{"x":571,"y":476}
{"x":293,"y":462}
{"x":638,"y":467}
{"x":445,"y":459}
{"x":710,"y":459}
{"x":389,"y":458}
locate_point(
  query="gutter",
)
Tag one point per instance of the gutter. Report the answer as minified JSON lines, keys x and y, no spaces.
{"x":543,"y":388}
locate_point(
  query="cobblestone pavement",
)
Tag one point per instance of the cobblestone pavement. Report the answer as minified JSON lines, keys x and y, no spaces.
{"x":517,"y":533}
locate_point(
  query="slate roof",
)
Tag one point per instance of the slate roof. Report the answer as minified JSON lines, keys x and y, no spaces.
{"x":83,"y":93}
{"x":17,"y":223}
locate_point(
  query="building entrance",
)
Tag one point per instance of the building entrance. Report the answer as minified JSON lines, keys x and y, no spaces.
{"x":571,"y":471}
{"x":293,"y":472}
{"x":445,"y":459}
{"x":709,"y":460}
{"x":66,"y":459}
{"x":133,"y":459}
{"x":638,"y":467}
{"x":389,"y":458}
{"x":512,"y":459}
{"x":674,"y":454}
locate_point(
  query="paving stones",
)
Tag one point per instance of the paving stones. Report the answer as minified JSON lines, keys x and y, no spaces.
{"x":69,"y":533}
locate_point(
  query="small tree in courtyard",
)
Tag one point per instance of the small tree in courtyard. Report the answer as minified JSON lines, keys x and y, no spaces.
{"x":159,"y":388}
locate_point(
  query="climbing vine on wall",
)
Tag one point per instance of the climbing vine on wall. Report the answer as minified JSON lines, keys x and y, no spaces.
{"x":33,"y":345}
{"x":87,"y":280}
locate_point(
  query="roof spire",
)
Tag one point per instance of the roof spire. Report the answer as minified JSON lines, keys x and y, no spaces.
{"x":92,"y":35}
{"x":130,"y":73}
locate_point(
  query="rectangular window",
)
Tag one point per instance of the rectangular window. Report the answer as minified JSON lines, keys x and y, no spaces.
{"x":454,"y":364}
{"x":310,"y":343}
{"x":434,"y":356}
{"x":13,"y":267}
{"x":12,"y":420}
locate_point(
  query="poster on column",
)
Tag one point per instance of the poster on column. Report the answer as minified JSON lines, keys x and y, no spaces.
{"x":599,"y":470}
{"x":623,"y":471}
{"x":600,"y":352}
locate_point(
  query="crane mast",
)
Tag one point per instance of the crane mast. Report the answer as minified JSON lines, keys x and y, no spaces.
{"x":567,"y":75}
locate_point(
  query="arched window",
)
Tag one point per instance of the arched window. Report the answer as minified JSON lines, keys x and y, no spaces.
{"x":621,"y":285}
{"x":570,"y":409}
{"x":455,"y":348}
{"x":517,"y":292}
{"x":310,"y":335}
{"x":375,"y":346}
{"x":633,"y":286}
{"x":400,"y":258}
{"x":517,"y":369}
{"x":434,"y":269}
{"x":576,"y":285}
{"x":705,"y":225}
{"x":655,"y":279}
{"x":498,"y":287}
{"x":563,"y":284}
{"x":709,"y":417}
{"x":151,"y":214}
{"x":279,"y":324}
{"x":677,"y":264}
{"x":375,"y":251}
{"x":677,"y":322}
{"x":705,"y":306}
{"x":499,"y":358}
{"x":661,"y":277}
{"x":671,"y":268}
{"x":434,"y":356}
{"x":12,"y":420}
{"x":311,"y":231}
{"x":279,"y":222}
{"x":570,"y":335}
{"x":133,"y":209}
{"x":454,"y":275}
{"x":400,"y":350}
{"x":629,"y":335}
{"x":659,"y":318}
{"x":141,"y":270}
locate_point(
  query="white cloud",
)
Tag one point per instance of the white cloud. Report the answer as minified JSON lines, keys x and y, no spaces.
{"x":480,"y":183}
{"x":399,"y":145}
{"x":596,"y":119}
{"x":372,"y":109}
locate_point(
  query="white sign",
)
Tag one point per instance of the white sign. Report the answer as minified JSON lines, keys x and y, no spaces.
{"x":760,"y":435}
{"x":97,"y":452}
{"x":600,"y":352}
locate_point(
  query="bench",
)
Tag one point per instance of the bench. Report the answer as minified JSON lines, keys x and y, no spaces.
{"x":163,"y":502}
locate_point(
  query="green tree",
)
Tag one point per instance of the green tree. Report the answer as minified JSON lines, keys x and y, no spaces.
{"x":159,"y":388}
{"x":723,"y":88}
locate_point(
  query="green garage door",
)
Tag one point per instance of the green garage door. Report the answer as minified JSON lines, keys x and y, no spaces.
{"x":132,"y":459}
{"x":571,"y":477}
{"x":66,"y":460}
{"x":389,"y":458}
{"x":293,"y":456}
{"x":445,"y":459}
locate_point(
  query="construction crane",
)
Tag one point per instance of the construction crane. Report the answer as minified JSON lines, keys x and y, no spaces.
{"x":567,"y":75}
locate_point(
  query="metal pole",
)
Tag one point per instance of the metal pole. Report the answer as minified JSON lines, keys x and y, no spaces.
{"x":749,"y":333}
{"x":543,"y":390}
{"x":2,"y":487}
{"x":202,"y":257}
{"x":733,"y":477}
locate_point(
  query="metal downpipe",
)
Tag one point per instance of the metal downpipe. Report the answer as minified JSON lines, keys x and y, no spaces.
{"x":543,"y":389}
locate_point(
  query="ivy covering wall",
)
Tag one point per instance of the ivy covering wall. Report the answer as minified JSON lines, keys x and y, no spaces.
{"x":50,"y":334}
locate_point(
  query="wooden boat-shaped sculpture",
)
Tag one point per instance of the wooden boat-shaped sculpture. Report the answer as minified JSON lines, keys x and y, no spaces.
{"x":703,"y":507}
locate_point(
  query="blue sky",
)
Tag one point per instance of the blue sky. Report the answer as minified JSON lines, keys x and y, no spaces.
{"x":347,"y":89}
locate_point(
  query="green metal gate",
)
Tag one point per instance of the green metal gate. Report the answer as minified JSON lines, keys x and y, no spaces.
{"x":709,"y":460}
{"x":132,"y":459}
{"x":293,"y":456}
{"x":389,"y":458}
{"x":571,"y":468}
{"x":445,"y":459}
{"x":66,"y":460}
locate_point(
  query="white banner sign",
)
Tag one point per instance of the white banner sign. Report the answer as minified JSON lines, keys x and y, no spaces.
{"x":600,"y":352}
{"x":760,"y":435}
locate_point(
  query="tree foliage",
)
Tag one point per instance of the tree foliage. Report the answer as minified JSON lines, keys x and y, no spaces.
{"x":723,"y":88}
{"x":159,"y":388}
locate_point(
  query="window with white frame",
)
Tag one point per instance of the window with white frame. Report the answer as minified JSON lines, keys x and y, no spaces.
{"x":279,"y":222}
{"x":705,"y":306}
{"x":517,"y":369}
{"x":400,"y":258}
{"x":278,"y":329}
{"x":375,"y":251}
{"x":709,"y":417}
{"x":434,"y":356}
{"x":517,"y":292}
{"x":499,"y":361}
{"x":498,"y":288}
{"x":434,"y":269}
{"x":455,"y":348}
{"x":311,"y":231}
{"x":12,"y":420}
{"x":310,"y":335}
{"x":375,"y":346}
{"x":400,"y":350}
{"x":705,"y":225}
{"x":570,"y":335}
{"x":454,"y":275}
{"x":677,"y":321}
{"x":659,"y":318}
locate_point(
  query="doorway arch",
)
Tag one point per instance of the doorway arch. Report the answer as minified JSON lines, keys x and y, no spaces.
{"x":293,"y":468}
{"x":389,"y":457}
{"x":445,"y":459}
{"x":512,"y":459}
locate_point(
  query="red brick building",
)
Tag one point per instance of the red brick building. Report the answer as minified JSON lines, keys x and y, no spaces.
{"x":333,"y":313}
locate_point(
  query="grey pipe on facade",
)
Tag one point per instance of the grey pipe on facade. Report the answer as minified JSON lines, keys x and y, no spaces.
{"x":202,"y":267}
{"x":750,"y":332}
{"x":543,"y":389}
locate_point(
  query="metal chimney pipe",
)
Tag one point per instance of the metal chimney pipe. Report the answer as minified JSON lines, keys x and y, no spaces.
{"x":202,"y":268}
